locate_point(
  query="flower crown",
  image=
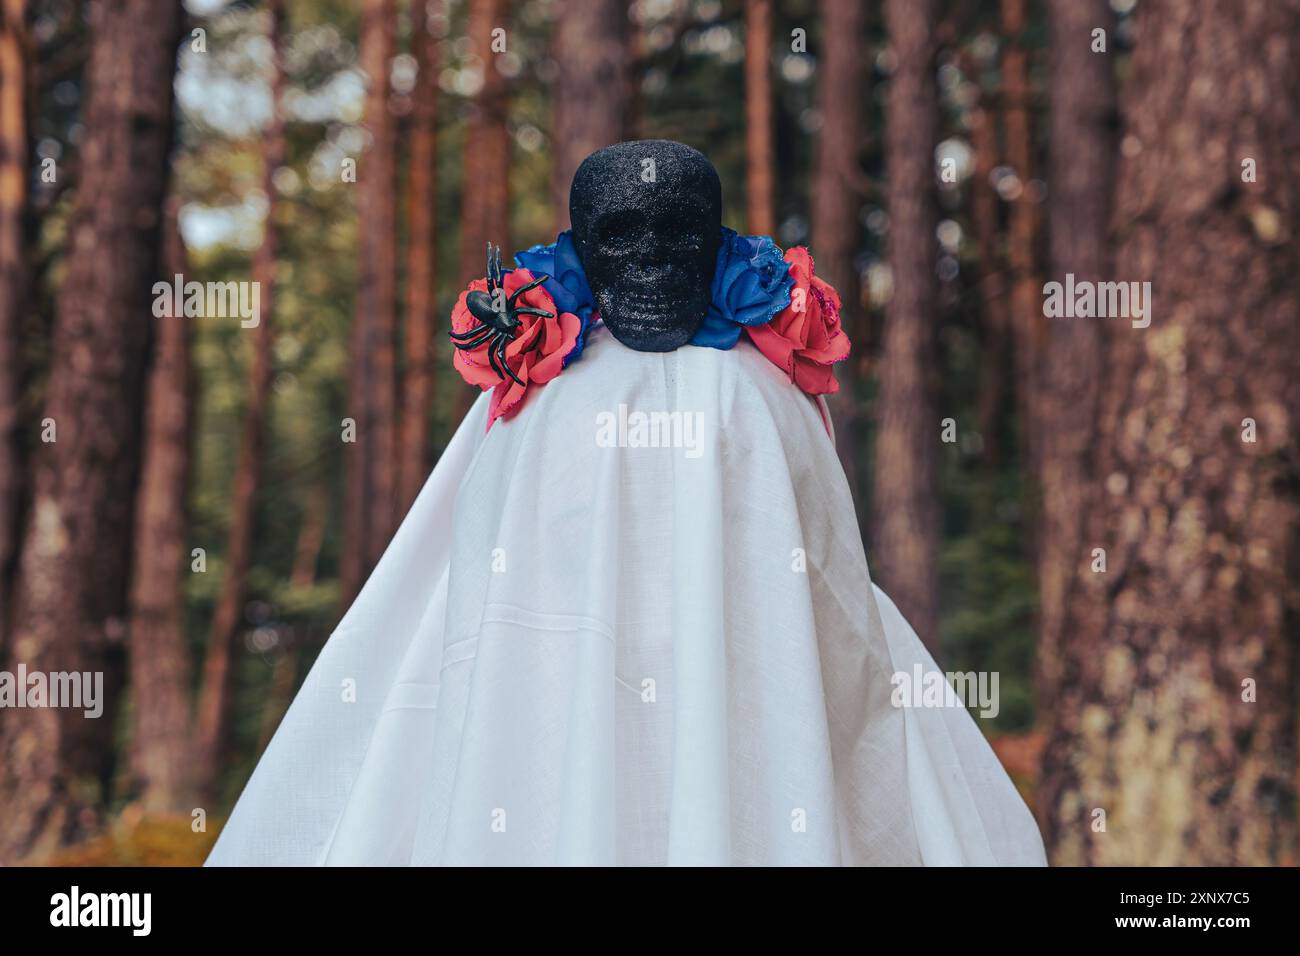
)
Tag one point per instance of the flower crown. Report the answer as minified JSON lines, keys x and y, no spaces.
{"x":517,"y":329}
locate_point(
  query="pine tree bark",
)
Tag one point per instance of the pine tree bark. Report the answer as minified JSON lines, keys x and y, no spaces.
{"x":994,"y":320}
{"x":422,"y":243}
{"x":590,"y":47}
{"x":311,"y":535}
{"x":1177,"y":713}
{"x":371,"y":506}
{"x":1082,"y":154}
{"x":1022,"y":260}
{"x":212,"y":719}
{"x":905,"y":543}
{"x":485,"y":209}
{"x":760,"y":153}
{"x":159,"y":657}
{"x":13,"y":279}
{"x":71,"y":592}
{"x":836,"y":197}
{"x":485,"y":188}
{"x":285,"y":669}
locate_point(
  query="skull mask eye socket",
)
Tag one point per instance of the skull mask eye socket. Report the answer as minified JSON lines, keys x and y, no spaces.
{"x":647,"y":221}
{"x":620,"y":232}
{"x":692,"y":240}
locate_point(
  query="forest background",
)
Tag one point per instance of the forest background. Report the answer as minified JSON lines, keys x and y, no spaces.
{"x":1104,"y":513}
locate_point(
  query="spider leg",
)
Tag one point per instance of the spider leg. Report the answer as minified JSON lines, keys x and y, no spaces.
{"x":491,"y":273}
{"x":499,"y":352}
{"x":492,"y":358}
{"x":529,"y":310}
{"x":474,"y":343}
{"x":527,"y":288}
{"x":469,"y":333}
{"x":505,"y":364}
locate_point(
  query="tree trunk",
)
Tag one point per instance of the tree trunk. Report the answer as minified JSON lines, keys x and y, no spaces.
{"x":1026,"y":300}
{"x":311,"y":536}
{"x":590,"y":95}
{"x":71,"y":592}
{"x":905,"y":544}
{"x":285,"y":669}
{"x":485,"y":188}
{"x":422,"y":242}
{"x":485,"y":196}
{"x":633,"y":72}
{"x":13,"y":276}
{"x":216,"y":688}
{"x":1082,"y":154}
{"x":279,"y":696}
{"x":836,"y":199}
{"x":1177,"y":709}
{"x":994,"y":321}
{"x":371,"y":506}
{"x":159,"y":658}
{"x":760,"y":154}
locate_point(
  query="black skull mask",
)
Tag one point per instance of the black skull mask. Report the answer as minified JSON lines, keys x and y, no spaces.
{"x":647,"y":221}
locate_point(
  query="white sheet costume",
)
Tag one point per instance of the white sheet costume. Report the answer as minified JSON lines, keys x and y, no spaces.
{"x":581,"y":654}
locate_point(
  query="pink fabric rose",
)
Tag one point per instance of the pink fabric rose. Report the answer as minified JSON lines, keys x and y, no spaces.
{"x":536,"y":354}
{"x":805,"y":339}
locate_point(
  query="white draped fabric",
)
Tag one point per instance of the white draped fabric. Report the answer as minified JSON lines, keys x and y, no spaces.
{"x":579,"y":651}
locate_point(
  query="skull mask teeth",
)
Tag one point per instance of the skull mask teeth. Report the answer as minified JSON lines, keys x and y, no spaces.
{"x":647,"y":220}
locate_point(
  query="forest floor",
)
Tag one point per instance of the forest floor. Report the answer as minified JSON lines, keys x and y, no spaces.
{"x":137,"y":839}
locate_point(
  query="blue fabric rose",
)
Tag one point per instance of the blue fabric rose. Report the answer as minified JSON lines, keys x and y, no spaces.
{"x":567,"y":284}
{"x":751,"y":284}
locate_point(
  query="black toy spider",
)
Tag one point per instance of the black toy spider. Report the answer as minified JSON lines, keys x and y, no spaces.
{"x":496,"y":326}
